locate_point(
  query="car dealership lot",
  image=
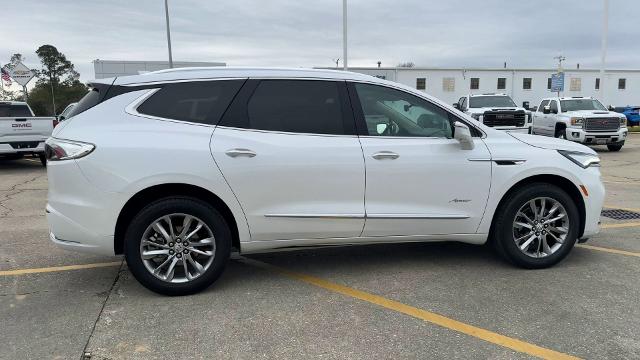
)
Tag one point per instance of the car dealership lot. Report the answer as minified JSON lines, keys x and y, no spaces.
{"x":383,"y":301}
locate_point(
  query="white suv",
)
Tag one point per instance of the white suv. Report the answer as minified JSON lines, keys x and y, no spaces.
{"x":175,"y":168}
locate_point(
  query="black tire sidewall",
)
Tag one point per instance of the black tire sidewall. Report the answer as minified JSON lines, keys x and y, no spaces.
{"x":504,"y":225}
{"x":166,"y":206}
{"x":616,"y":146}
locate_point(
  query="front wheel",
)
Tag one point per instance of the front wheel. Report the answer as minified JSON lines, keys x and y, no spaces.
{"x":177,"y":246}
{"x":537,"y":226}
{"x":616,"y":146}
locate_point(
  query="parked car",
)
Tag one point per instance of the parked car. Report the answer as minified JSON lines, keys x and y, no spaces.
{"x":65,"y":113}
{"x":175,"y":168}
{"x":581,"y":119}
{"x":21,"y":132}
{"x":497,"y":111}
{"x":631,"y":112}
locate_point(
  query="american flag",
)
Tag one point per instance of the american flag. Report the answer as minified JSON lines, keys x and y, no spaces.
{"x":6,"y":77}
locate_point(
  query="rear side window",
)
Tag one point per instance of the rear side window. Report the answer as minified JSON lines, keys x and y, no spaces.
{"x":90,"y":100}
{"x":201,"y":102}
{"x":299,"y":106}
{"x":8,"y":110}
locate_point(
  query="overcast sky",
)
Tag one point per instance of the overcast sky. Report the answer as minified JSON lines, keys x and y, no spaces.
{"x":447,"y":33}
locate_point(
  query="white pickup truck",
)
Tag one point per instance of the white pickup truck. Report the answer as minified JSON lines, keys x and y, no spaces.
{"x":21,"y":132}
{"x":580,"y":119}
{"x":496,"y":110}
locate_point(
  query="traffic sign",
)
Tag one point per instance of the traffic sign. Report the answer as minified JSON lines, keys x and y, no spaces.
{"x":557,"y":82}
{"x":21,"y":74}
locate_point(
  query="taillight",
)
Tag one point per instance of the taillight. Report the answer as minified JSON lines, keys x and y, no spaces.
{"x":55,"y":122}
{"x":57,"y":149}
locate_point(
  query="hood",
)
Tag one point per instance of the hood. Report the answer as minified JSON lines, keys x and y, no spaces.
{"x":546,"y":142}
{"x":591,"y":113}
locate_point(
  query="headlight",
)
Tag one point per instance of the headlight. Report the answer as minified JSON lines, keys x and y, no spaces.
{"x":476,"y":116}
{"x":57,"y":149}
{"x":581,"y":159}
{"x":577,"y":121}
{"x":623,"y":122}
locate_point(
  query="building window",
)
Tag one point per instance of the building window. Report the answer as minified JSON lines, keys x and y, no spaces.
{"x":475,"y":83}
{"x":622,"y":84}
{"x":597,"y":83}
{"x":421,"y":83}
{"x":526,"y":83}
{"x":448,"y":84}
{"x":502,"y":83}
{"x":576,"y":84}
{"x":548,"y":83}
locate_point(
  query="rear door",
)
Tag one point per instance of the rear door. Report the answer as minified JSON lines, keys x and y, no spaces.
{"x":289,"y":151}
{"x":539,"y":126}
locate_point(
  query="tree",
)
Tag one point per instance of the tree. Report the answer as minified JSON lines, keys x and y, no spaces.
{"x":57,"y":80}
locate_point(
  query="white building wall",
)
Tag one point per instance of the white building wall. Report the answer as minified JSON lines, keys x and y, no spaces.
{"x":514,"y":83}
{"x":112,"y":68}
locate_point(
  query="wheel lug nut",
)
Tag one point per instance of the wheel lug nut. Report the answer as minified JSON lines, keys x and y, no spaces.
{"x":186,"y":251}
{"x":186,"y":243}
{"x":170,"y":244}
{"x":179,"y":255}
{"x":171,"y":252}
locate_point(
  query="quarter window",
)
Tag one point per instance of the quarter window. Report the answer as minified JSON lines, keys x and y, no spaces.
{"x":299,"y":106}
{"x":390,"y":112}
{"x":201,"y":102}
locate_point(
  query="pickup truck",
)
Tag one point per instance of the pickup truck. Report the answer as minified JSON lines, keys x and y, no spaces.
{"x":580,"y":119}
{"x":21,"y":132}
{"x":496,"y":110}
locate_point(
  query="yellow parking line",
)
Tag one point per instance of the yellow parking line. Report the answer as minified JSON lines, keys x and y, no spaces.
{"x":480,"y":333}
{"x":620,"y":225}
{"x":611,"y":207}
{"x":609,"y":250}
{"x":58,"y":268}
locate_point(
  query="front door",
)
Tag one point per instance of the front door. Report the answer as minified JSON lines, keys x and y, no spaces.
{"x":289,"y":152}
{"x":419,"y":180}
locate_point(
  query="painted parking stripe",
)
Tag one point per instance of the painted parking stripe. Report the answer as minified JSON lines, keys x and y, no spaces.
{"x":58,"y":268}
{"x":433,"y":318}
{"x":609,"y":250}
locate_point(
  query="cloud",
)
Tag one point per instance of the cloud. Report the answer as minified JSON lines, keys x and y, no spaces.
{"x":452,"y":33}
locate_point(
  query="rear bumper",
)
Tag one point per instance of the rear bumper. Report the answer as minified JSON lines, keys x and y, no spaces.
{"x":10,"y":148}
{"x":595,"y":138}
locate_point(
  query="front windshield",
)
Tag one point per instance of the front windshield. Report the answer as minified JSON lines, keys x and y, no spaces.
{"x":490,"y":101}
{"x":581,"y":104}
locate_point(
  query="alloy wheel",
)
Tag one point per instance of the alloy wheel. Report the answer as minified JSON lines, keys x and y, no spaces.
{"x":540,"y":227}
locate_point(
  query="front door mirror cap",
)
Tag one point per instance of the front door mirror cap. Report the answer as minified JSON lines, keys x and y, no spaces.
{"x":463,"y":135}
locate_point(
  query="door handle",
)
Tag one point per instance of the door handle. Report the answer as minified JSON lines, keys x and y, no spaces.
{"x":240,"y":152}
{"x":385,"y":155}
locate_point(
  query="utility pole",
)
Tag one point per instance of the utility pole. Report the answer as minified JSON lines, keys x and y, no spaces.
{"x":344,"y":35}
{"x":336,"y":61}
{"x":166,"y":13}
{"x":603,"y":58}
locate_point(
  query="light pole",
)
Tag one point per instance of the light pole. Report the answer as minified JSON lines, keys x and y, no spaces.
{"x":344,"y":35}
{"x":603,"y":58}
{"x":166,"y":13}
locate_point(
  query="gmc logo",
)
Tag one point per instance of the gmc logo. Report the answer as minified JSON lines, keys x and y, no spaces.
{"x":21,"y":126}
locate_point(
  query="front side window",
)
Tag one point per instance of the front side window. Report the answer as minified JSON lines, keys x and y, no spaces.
{"x":553,"y":106}
{"x":542,"y":105}
{"x":299,"y":106}
{"x":390,"y":112}
{"x":581,"y":104}
{"x":201,"y":102}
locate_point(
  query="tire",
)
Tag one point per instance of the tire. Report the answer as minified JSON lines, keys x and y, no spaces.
{"x":505,"y":231}
{"x":43,"y":159}
{"x":214,"y":234}
{"x":616,"y":146}
{"x":561,"y":133}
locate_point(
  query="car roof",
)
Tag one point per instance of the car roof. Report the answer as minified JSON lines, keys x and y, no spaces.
{"x":218,"y":72}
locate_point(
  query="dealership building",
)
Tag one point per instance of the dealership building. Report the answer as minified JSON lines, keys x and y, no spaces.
{"x":619,"y":88}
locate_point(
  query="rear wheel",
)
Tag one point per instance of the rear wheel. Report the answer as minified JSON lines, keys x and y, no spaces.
{"x":616,"y":146}
{"x":177,"y":246}
{"x":537,"y":226}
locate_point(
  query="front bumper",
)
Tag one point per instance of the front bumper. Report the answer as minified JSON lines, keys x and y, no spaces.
{"x":596,"y":138}
{"x":524,"y":130}
{"x":593,"y":202}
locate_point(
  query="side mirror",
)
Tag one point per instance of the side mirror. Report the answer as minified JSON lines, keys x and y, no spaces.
{"x":456,"y":105}
{"x":525,"y":104}
{"x":463,"y":135}
{"x":381,"y":128}
{"x":546,"y":110}
{"x":61,"y":117}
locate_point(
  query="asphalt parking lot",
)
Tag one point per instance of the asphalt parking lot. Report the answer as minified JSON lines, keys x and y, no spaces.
{"x":386,"y":301}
